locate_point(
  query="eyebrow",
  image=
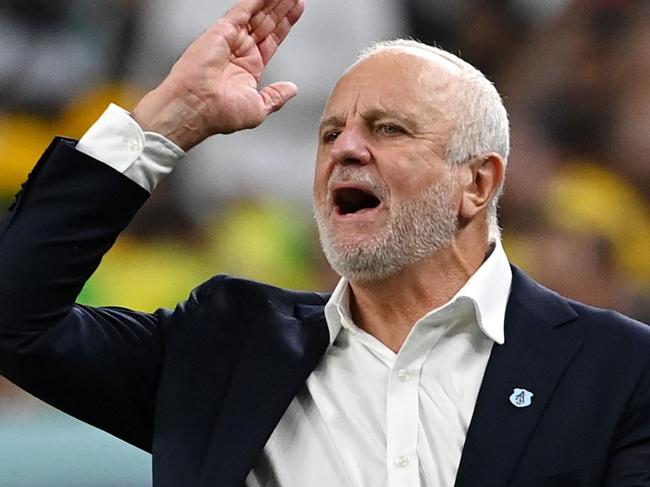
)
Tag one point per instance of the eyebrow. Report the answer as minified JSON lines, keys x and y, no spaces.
{"x":332,"y":121}
{"x":370,"y":115}
{"x":380,"y":113}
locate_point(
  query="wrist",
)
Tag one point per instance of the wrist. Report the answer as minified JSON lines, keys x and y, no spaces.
{"x":166,"y":113}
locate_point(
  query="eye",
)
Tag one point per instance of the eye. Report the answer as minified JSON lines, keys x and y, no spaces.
{"x":330,"y":136}
{"x":390,"y":129}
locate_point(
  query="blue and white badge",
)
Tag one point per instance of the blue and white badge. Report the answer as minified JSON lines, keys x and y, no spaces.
{"x":521,"y":398}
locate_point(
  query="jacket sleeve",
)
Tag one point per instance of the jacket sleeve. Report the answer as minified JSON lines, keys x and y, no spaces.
{"x":98,"y":364}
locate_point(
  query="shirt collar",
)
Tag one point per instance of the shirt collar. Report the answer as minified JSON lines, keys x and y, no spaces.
{"x":487,"y":290}
{"x":337,"y":310}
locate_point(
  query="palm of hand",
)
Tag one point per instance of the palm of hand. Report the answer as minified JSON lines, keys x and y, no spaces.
{"x":213,"y":87}
{"x":240,"y":103}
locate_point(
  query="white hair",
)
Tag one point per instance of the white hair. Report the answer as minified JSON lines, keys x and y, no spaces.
{"x":480,"y":120}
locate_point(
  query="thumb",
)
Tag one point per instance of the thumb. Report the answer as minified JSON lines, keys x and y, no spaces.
{"x":276,"y":95}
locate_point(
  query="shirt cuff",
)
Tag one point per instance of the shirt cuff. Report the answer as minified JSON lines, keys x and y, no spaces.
{"x":118,"y":141}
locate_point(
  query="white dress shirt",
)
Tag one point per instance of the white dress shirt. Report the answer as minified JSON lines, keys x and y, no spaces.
{"x":367,"y":416}
{"x":370,"y":417}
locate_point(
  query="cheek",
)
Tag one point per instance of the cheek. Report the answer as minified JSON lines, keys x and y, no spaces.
{"x":403,"y":179}
{"x":412,"y":169}
{"x":321,"y":178}
{"x":407,"y":177}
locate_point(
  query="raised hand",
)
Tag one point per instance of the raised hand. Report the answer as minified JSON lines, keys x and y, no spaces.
{"x":213,"y":87}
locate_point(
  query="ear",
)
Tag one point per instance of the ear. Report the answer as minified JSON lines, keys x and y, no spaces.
{"x":480,"y":184}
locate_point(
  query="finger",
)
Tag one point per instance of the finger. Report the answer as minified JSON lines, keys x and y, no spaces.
{"x":242,"y":12}
{"x":294,"y":14}
{"x":262,"y":14}
{"x":269,"y":45}
{"x":276,"y":95}
{"x":234,"y":25}
{"x":264,"y":23}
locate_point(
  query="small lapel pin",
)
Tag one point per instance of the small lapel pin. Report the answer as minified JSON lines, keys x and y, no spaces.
{"x":521,"y":398}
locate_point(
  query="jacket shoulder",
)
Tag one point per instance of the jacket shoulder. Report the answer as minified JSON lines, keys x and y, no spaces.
{"x":233,"y":285}
{"x":612,"y":324}
{"x":225,"y":293}
{"x":550,"y":306}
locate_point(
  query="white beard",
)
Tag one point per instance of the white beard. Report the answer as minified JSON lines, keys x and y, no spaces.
{"x":415,"y":230}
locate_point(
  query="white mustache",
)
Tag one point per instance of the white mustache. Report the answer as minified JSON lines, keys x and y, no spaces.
{"x":355,"y":174}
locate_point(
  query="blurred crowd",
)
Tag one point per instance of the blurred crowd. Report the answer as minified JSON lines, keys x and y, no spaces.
{"x":575,"y":76}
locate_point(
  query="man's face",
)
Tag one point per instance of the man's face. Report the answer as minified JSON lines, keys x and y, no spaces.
{"x":384,"y":196}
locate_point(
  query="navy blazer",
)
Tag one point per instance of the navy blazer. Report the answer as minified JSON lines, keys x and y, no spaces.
{"x":203,"y":386}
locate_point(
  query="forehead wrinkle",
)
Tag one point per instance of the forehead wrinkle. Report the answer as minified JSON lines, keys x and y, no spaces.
{"x":426,"y":119}
{"x":423,"y":116}
{"x":426,"y":88}
{"x":338,"y":119}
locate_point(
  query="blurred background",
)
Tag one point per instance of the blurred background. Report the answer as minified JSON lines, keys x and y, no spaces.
{"x":575,"y":76}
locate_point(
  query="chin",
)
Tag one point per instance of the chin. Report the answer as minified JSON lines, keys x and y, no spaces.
{"x":362,"y":270}
{"x":360,"y":261}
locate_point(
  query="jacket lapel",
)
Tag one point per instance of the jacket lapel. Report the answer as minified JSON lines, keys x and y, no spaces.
{"x":275,"y":363}
{"x":539,"y":345}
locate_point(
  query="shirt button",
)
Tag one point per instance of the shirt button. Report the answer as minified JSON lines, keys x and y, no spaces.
{"x":401,"y":462}
{"x":133,"y":146}
{"x":403,"y":375}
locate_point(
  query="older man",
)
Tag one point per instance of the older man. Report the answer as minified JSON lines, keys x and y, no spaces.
{"x":433,"y":362}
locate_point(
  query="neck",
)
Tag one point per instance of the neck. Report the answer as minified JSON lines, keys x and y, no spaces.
{"x":388,"y":308}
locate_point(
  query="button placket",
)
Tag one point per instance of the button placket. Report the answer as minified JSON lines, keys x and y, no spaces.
{"x":402,"y":422}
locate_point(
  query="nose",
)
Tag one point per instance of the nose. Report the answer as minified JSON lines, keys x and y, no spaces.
{"x":351,"y":147}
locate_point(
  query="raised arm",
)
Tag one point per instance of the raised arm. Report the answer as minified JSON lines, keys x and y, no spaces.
{"x":102,"y":365}
{"x":214,"y":87}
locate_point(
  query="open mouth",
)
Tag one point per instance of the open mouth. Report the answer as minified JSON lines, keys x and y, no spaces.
{"x":354,"y":200}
